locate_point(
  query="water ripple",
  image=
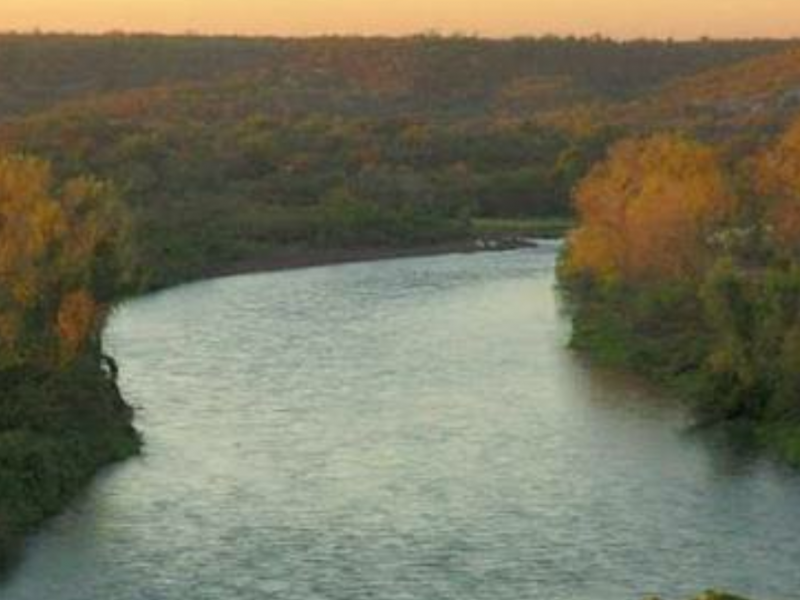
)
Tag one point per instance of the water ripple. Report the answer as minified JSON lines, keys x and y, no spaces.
{"x":406,"y":430}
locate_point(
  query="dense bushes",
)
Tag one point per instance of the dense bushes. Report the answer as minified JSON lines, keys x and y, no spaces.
{"x":56,"y":431}
{"x":682,"y":270}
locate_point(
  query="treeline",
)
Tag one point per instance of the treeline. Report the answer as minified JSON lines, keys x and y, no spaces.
{"x":65,"y":258}
{"x":460,"y":75}
{"x":213,"y":190}
{"x":38,"y":71}
{"x":686,"y":267}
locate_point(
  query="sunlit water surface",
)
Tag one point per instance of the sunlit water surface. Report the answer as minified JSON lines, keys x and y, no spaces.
{"x":403,"y":430}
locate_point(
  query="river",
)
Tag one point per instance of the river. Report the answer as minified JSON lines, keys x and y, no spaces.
{"x":404,"y":430}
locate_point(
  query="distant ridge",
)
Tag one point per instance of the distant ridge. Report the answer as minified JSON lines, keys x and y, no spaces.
{"x":761,"y":93}
{"x":453,"y":75}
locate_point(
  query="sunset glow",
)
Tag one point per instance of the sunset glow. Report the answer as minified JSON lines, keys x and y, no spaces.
{"x":619,"y":18}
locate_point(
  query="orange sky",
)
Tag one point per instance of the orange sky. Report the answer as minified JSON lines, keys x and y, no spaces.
{"x":619,"y":18}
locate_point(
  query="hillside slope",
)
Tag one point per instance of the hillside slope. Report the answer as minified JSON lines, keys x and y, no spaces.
{"x":758,"y":96}
{"x":409,"y":74}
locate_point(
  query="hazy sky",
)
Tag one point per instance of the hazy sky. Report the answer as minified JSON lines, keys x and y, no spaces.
{"x":619,"y":18}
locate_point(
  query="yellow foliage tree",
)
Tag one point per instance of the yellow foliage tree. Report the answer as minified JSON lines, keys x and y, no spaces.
{"x":63,"y":256}
{"x":75,"y":321}
{"x":777,"y":179}
{"x":649,"y":211}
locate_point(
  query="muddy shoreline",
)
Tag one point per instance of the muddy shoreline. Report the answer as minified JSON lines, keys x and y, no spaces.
{"x":288,"y":259}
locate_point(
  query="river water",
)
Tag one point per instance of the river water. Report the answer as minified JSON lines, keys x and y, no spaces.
{"x":404,"y":430}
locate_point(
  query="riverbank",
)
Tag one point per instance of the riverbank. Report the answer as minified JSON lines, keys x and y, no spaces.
{"x":619,"y":332}
{"x":687,"y":271}
{"x":711,"y":595}
{"x":56,"y":433}
{"x":169,"y":268}
{"x":539,"y":227}
{"x":285,"y":259}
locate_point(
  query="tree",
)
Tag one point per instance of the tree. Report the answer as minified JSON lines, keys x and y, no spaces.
{"x":777,"y":181}
{"x":64,"y":257}
{"x":649,"y":211}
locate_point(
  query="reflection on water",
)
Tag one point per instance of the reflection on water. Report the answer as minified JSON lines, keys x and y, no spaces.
{"x":412,"y":429}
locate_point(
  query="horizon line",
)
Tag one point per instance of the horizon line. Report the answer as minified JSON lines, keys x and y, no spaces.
{"x":426,"y":33}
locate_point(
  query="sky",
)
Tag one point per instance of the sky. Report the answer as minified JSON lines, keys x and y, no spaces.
{"x":494,"y":18}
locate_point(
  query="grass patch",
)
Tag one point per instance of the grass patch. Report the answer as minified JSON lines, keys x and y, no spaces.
{"x":540,"y":227}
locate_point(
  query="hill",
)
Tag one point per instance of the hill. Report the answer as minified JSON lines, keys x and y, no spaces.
{"x":422,"y":73}
{"x":757,"y":96}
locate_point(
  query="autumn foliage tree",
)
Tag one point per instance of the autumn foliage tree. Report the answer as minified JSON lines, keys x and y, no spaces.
{"x":64,"y":256}
{"x":648,"y":213}
{"x":698,"y":263}
{"x":777,"y":183}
